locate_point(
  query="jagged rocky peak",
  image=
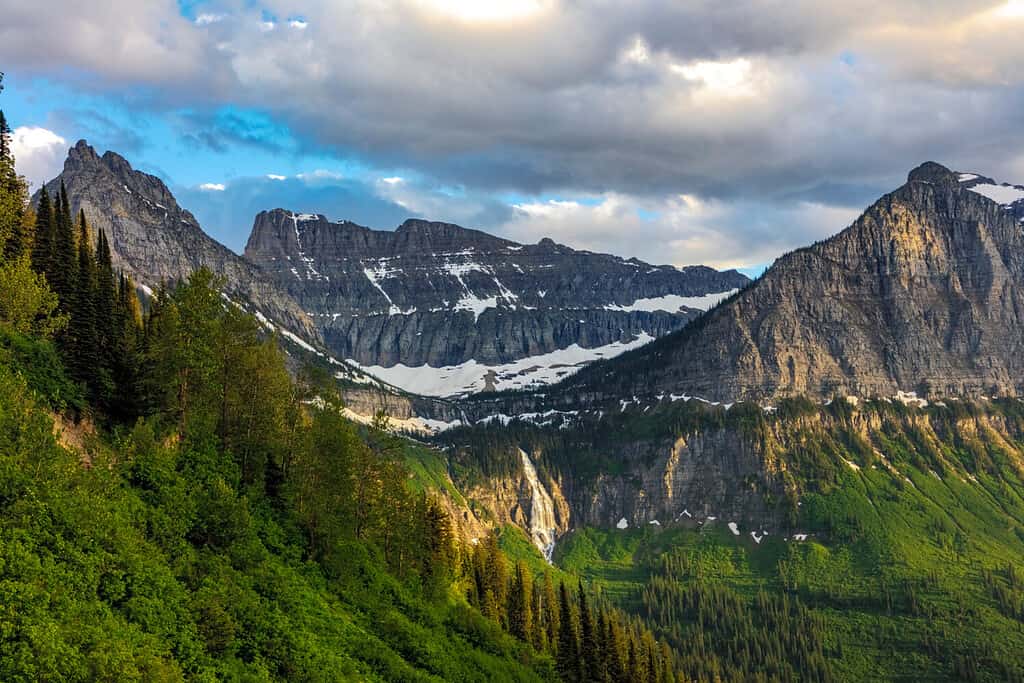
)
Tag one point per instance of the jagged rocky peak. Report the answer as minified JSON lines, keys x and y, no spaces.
{"x":932,"y":172}
{"x":432,"y":296}
{"x":156,"y":241}
{"x":84,"y":163}
{"x":924,"y":292}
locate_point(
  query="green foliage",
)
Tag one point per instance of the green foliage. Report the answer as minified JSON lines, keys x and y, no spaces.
{"x":264,"y":540}
{"x":38,"y":363}
{"x":911,"y":571}
{"x":27,"y":305}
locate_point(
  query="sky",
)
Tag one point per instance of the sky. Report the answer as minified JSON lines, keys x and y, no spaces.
{"x":724,"y":133}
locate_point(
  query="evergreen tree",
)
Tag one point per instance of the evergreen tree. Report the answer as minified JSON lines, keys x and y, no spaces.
{"x":43,"y":234}
{"x":14,"y":237}
{"x":5,"y":137}
{"x":550,"y":612}
{"x":567,"y":658}
{"x":84,"y":358}
{"x":106,"y":325}
{"x":520,"y":612}
{"x":63,"y":258}
{"x":127,"y":341}
{"x":590,"y":655}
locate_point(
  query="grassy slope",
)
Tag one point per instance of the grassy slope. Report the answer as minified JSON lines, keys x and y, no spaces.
{"x":922,"y":545}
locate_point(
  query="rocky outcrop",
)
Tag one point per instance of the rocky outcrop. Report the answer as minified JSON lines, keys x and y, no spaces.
{"x":748,"y":468}
{"x":924,"y":292}
{"x":438,"y":294}
{"x":157,"y":241}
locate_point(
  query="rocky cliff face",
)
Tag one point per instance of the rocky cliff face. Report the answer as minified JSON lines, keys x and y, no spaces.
{"x":924,"y":292}
{"x":435,"y":294}
{"x":157,"y":241}
{"x":742,"y":468}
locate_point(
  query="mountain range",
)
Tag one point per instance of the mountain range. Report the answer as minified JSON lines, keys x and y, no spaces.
{"x":430,"y":308}
{"x":491,"y":313}
{"x":836,"y":442}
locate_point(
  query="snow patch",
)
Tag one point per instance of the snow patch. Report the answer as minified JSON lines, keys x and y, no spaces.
{"x":473,"y":376}
{"x":734,"y":529}
{"x":909,"y":398}
{"x":623,"y":524}
{"x":1001,"y":194}
{"x":672,"y":303}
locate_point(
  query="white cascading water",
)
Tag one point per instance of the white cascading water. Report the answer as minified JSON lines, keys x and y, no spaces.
{"x":542,"y":510}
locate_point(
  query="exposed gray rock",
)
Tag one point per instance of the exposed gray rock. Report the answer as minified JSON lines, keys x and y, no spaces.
{"x":924,"y":292}
{"x":439,"y":294}
{"x":157,"y":241}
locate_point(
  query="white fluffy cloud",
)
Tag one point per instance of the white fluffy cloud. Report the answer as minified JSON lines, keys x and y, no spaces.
{"x":212,"y":187}
{"x":38,"y":152}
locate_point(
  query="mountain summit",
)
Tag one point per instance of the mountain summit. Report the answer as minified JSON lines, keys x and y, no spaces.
{"x":924,"y":292}
{"x":441,"y":309}
{"x":156,"y":240}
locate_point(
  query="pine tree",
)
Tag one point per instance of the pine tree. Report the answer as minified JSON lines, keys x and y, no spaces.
{"x":590,"y":655}
{"x":13,"y":200}
{"x":5,"y":137}
{"x":520,"y":612}
{"x":125,"y":338}
{"x":63,"y":258}
{"x":43,"y":234}
{"x":106,"y":323}
{"x":84,"y":359}
{"x":567,"y":658}
{"x":551,"y":616}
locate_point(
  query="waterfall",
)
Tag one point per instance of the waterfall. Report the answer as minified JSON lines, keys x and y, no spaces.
{"x":542,"y":510}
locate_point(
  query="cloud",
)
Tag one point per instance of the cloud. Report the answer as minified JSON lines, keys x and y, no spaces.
{"x":208,"y":18}
{"x":680,"y":230}
{"x":760,"y":111}
{"x":274,"y":176}
{"x":38,"y":153}
{"x":320,"y":174}
{"x":212,"y":187}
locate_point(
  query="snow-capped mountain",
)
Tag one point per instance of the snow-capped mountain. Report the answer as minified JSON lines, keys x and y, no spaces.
{"x":442,"y":310}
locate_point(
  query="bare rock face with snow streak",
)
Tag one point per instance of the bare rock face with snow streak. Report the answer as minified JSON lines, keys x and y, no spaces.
{"x":157,"y":241}
{"x":924,"y":292}
{"x":436,"y":294}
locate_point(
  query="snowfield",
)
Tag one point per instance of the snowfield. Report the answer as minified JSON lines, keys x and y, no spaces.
{"x":473,"y":376}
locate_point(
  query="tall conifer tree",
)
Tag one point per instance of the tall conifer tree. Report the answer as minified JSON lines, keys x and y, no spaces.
{"x":590,"y":656}
{"x":567,"y":659}
{"x":85,"y":355}
{"x":64,"y":261}
{"x":43,"y":234}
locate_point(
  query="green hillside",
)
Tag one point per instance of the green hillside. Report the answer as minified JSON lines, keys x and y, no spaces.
{"x":913,"y":568}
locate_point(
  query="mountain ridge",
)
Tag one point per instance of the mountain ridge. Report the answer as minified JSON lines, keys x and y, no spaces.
{"x":933,"y":265}
{"x":158,"y":241}
{"x":436,"y":295}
